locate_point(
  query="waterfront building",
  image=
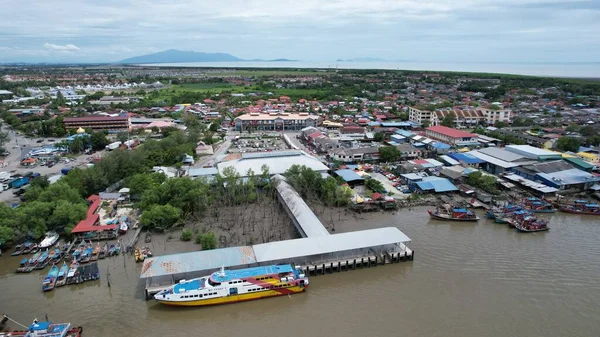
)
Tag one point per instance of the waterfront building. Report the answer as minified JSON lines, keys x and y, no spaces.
{"x":275,"y":121}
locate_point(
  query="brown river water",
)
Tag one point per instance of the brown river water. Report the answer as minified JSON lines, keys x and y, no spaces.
{"x":467,"y":279}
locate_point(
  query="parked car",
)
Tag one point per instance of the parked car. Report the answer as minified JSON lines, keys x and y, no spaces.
{"x":40,"y":141}
{"x":19,"y":191}
{"x":50,"y":164}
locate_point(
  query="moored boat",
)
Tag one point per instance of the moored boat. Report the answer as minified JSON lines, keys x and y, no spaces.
{"x":49,"y":241}
{"x":580,"y":207}
{"x":447,"y":212}
{"x":235,"y":286}
{"x":18,"y":250}
{"x":103,"y":251}
{"x":86,"y":255}
{"x":42,"y":262}
{"x":95,"y":253}
{"x":538,"y":205}
{"x":72,"y":273}
{"x":30,"y":248}
{"x":61,"y":279}
{"x":123,"y":228}
{"x":529,"y":224}
{"x":50,"y":279}
{"x":28,"y":266}
{"x":46,"y":329}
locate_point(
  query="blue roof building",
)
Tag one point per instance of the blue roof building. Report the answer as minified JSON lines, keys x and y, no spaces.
{"x":466,"y":159}
{"x":349,"y":176}
{"x":435,"y":184}
{"x":573,"y":178}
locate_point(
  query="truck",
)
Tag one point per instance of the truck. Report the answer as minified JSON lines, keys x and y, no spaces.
{"x":113,"y":146}
{"x":19,"y":182}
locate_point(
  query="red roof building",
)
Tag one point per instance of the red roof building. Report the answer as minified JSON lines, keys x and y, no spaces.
{"x":114,"y":124}
{"x":91,"y":223}
{"x":449,"y":135}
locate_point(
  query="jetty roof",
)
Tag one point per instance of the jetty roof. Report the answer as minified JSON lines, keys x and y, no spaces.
{"x":289,"y":249}
{"x":197,"y":261}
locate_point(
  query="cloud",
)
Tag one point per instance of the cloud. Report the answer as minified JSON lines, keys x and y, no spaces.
{"x":66,"y":47}
{"x":432,"y":30}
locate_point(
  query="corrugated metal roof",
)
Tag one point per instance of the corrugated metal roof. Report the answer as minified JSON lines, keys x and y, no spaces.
{"x":349,"y":175}
{"x":282,"y":250}
{"x":276,"y":164}
{"x":437,"y":184}
{"x":531,"y":152}
{"x":449,"y":160}
{"x":570,"y":177}
{"x":492,"y":160}
{"x":531,"y":184}
{"x":203,"y":171}
{"x":501,"y":154}
{"x":197,"y":261}
{"x":308,"y":221}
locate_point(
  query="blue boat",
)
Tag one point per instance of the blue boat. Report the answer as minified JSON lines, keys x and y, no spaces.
{"x":538,"y":205}
{"x":50,"y":279}
{"x":61,"y":279}
{"x":48,"y":329}
{"x":86,"y":255}
{"x":42,"y":262}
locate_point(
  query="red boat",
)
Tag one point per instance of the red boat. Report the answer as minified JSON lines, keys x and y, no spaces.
{"x":581,"y":207}
{"x":529,"y":224}
{"x":447,"y":212}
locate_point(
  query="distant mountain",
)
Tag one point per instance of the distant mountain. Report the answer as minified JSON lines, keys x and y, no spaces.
{"x":369,"y":59}
{"x":178,"y":56}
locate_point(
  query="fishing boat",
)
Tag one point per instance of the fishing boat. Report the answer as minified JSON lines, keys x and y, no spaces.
{"x":24,"y":262}
{"x":50,"y":279}
{"x":18,"y":250}
{"x":118,"y":248}
{"x":30,"y":248}
{"x":138,"y":256}
{"x":49,"y":241}
{"x":95,"y":253}
{"x":61,"y":279}
{"x":111,"y":250}
{"x":498,"y":213}
{"x":72,"y":273}
{"x":447,"y":212}
{"x":538,"y":205}
{"x":86,"y":255}
{"x":148,"y":237}
{"x":103,"y":252}
{"x":28,"y":266}
{"x":529,"y":224}
{"x":235,"y":286}
{"x":580,"y":207}
{"x":123,"y":228}
{"x":42,"y":262}
{"x":46,"y":329}
{"x":146,"y":251}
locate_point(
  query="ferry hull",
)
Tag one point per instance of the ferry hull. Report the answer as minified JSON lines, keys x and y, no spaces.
{"x":236,"y":298}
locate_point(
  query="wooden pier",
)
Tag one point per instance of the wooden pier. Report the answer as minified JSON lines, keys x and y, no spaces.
{"x":134,"y":239}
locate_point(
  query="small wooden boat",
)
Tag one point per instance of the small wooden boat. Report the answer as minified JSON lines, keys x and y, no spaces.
{"x":61,"y":279}
{"x":86,"y":255}
{"x":46,"y":329}
{"x":30,"y":248}
{"x":138,"y":256}
{"x":18,"y":250}
{"x":72,"y":273}
{"x":24,"y":262}
{"x":28,"y":266}
{"x":95,"y":253}
{"x":103,"y":252}
{"x":111,"y":250}
{"x":50,"y":279}
{"x":42,"y":262}
{"x":447,"y":212}
{"x":148,"y":237}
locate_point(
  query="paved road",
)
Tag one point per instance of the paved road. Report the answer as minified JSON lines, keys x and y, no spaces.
{"x":221,"y":150}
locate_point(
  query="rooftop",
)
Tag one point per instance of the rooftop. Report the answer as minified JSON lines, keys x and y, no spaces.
{"x":531,"y":152}
{"x":436,"y":184}
{"x":349,"y":175}
{"x":95,"y":119}
{"x":277,"y":161}
{"x":450,"y":132}
{"x":569,"y":177}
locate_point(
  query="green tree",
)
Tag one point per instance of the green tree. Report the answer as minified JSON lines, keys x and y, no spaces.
{"x":500,"y":124}
{"x":98,"y":140}
{"x":379,"y":137}
{"x":573,"y":127}
{"x":449,"y":120}
{"x":4,"y":138}
{"x":186,"y":235}
{"x":426,"y":123}
{"x":122,"y":136}
{"x":568,"y":144}
{"x":214,"y":127}
{"x":208,"y":241}
{"x":374,"y":185}
{"x":588,"y":131}
{"x":389,"y":154}
{"x":160,"y":217}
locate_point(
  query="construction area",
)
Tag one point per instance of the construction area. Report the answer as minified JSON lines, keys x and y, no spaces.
{"x":317,"y":251}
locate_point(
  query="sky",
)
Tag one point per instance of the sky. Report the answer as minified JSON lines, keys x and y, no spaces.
{"x":308,"y":30}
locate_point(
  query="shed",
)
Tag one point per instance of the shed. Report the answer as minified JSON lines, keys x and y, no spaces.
{"x":436,"y":184}
{"x":349,"y":176}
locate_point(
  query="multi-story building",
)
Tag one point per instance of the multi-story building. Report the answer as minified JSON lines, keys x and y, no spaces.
{"x":462,"y":117}
{"x":276,"y":121}
{"x":451,"y":136}
{"x":96,"y":123}
{"x":420,"y":116}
